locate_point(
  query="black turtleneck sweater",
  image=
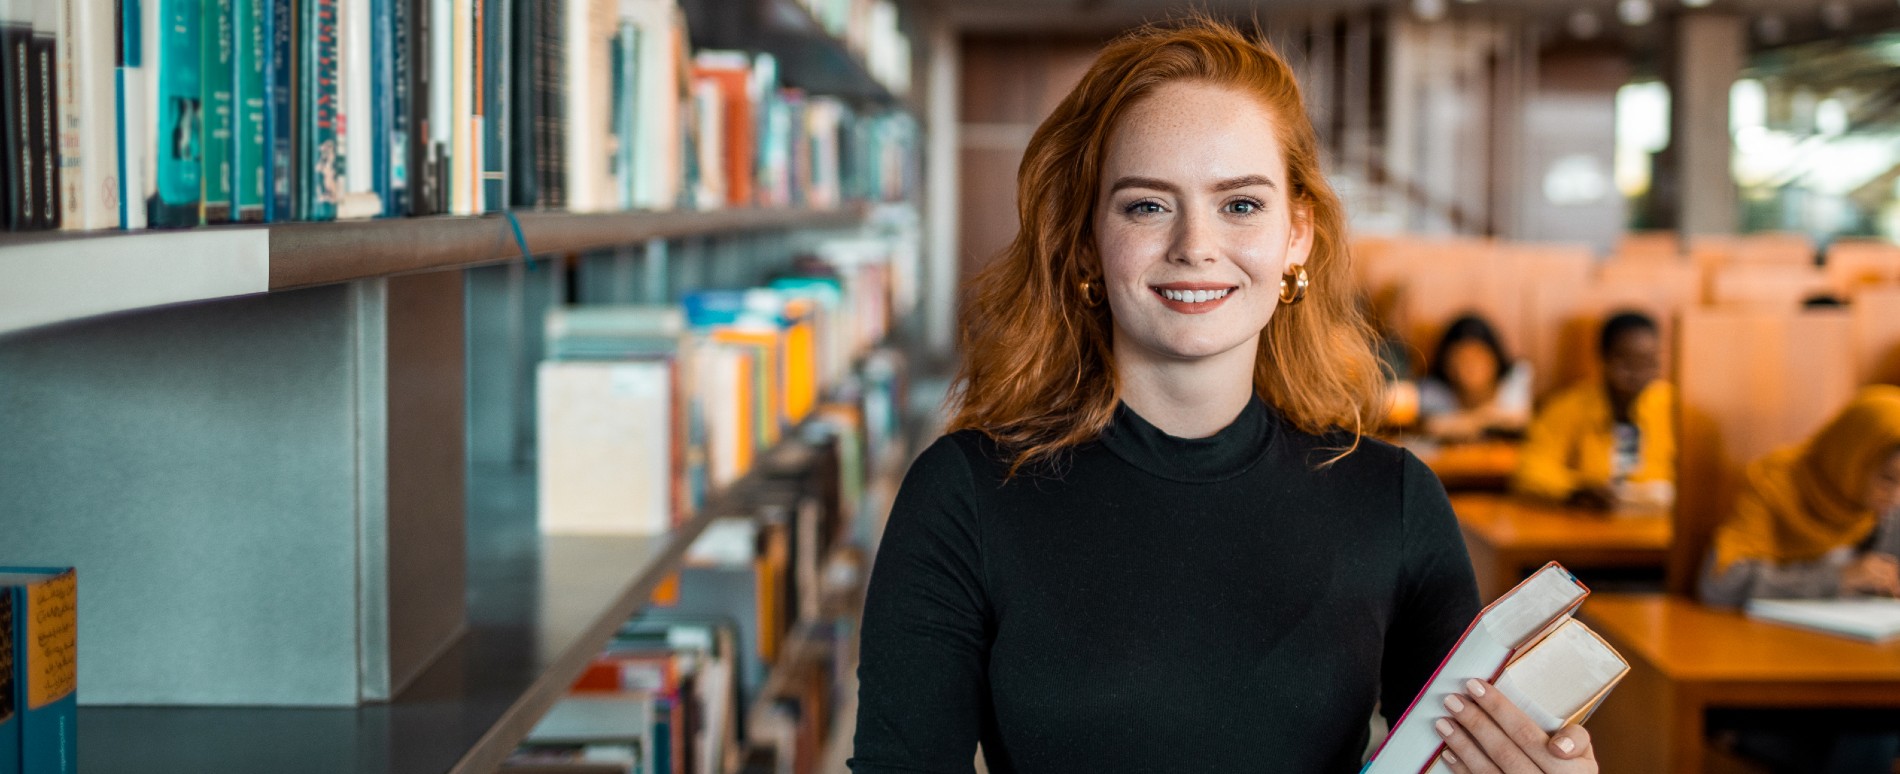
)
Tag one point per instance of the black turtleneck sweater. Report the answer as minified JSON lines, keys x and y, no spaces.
{"x":1158,"y":604}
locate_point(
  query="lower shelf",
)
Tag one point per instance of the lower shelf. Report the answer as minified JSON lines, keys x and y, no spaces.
{"x":539,"y":608}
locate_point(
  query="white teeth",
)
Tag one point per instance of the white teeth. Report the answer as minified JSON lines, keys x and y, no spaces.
{"x":1193,"y":296}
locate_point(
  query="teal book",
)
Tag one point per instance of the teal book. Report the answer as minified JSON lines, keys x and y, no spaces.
{"x":45,"y":633}
{"x":9,"y":695}
{"x":250,"y":144}
{"x":217,"y":74}
{"x":178,"y":160}
{"x":319,"y":159}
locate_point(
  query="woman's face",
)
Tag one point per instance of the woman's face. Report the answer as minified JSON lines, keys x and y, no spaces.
{"x":1471,"y":368}
{"x":1883,"y":484}
{"x":1193,"y":222}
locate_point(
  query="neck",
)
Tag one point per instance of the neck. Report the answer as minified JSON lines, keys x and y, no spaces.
{"x":1186,"y":398}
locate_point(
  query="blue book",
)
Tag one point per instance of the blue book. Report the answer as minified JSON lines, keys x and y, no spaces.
{"x":9,"y":693}
{"x":250,"y":144}
{"x":217,"y":79}
{"x":400,"y":52}
{"x":45,"y":665}
{"x":174,"y":197}
{"x":130,"y":84}
{"x":382,"y":102}
{"x":278,"y":53}
{"x":494,"y":17}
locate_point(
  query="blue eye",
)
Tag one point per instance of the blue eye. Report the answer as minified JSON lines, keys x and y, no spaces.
{"x":1243,"y":207}
{"x":1143,"y":207}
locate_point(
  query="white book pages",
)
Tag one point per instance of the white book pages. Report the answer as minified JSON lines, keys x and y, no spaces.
{"x":1873,"y":620}
{"x":607,"y":719}
{"x":606,"y":447}
{"x":1561,"y":675}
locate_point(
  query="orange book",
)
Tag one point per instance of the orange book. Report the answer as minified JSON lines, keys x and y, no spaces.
{"x":733,"y":77}
{"x":801,"y":362}
{"x":767,"y":383}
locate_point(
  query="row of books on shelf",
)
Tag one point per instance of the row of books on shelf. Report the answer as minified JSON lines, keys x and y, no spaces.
{"x":39,"y":673}
{"x":644,"y":409}
{"x":870,"y":29}
{"x":737,"y":665}
{"x":172,"y":113}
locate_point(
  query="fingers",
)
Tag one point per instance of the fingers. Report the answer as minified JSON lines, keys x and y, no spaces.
{"x":1453,"y":762}
{"x":1570,"y":743}
{"x":1499,"y":735}
{"x":1464,"y":750}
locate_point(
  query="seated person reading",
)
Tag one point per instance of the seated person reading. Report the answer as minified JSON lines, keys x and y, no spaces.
{"x":1817,"y":519}
{"x":1607,"y":442}
{"x":1473,"y":388}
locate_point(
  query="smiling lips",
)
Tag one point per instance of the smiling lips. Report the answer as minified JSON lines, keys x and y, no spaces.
{"x":1193,"y":297}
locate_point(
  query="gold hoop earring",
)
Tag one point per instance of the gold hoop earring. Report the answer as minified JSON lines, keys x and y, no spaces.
{"x":1293,"y":286}
{"x":1091,"y":294}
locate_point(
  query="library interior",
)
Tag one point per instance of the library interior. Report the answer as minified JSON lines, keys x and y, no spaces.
{"x":726,"y":386}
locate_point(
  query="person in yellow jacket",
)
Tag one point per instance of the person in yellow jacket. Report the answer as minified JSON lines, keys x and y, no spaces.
{"x":1607,"y":442}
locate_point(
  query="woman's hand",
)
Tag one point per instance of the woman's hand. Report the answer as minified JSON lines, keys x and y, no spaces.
{"x":1492,"y":736}
{"x":1872,"y":573}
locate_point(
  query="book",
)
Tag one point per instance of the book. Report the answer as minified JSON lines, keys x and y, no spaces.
{"x":43,"y":77}
{"x":73,"y":198}
{"x":218,"y":76}
{"x":16,"y":67}
{"x":400,"y":127}
{"x":495,"y":79}
{"x":175,"y":162}
{"x":250,"y":141}
{"x":279,"y":116}
{"x":129,"y":92}
{"x":45,"y":666}
{"x":1869,"y":620}
{"x":320,"y":155}
{"x":1512,"y":636}
{"x":9,"y":695}
{"x":606,"y":457}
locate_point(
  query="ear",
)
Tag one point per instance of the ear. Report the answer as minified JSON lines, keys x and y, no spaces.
{"x":1299,"y":244}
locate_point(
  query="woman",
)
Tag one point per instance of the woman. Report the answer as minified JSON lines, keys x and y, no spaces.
{"x":1818,"y":519}
{"x":1808,"y":521}
{"x":1474,"y":388}
{"x":1155,"y":541}
{"x":1608,"y":442}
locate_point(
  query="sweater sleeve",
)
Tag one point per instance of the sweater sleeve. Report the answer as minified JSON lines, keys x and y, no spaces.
{"x":1437,"y":596}
{"x":1543,"y":468}
{"x":922,"y":679}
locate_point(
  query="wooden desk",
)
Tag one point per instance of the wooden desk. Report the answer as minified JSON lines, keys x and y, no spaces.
{"x":1507,"y":537}
{"x":1686,"y":658}
{"x":1477,"y":465}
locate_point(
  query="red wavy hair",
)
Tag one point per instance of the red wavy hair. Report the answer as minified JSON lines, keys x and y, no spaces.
{"x":1038,"y":372}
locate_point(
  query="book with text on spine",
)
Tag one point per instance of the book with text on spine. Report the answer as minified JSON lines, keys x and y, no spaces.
{"x":1526,"y":644}
{"x":45,"y":632}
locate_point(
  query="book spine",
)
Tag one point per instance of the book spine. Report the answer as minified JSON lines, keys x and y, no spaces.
{"x":130,"y":95}
{"x":401,"y":127}
{"x":494,"y":78}
{"x":251,"y":142}
{"x":323,"y":147}
{"x":175,"y":190}
{"x":442,"y":118}
{"x":217,"y":73}
{"x":92,"y":96}
{"x":522,"y":84}
{"x":44,"y":103}
{"x":554,"y":190}
{"x":421,"y":152}
{"x":16,"y":67}
{"x":72,"y":202}
{"x":46,"y":674}
{"x":461,"y":106}
{"x":280,"y":56}
{"x":380,"y":100}
{"x":9,"y":690}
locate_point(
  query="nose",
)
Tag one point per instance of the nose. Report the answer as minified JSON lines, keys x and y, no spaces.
{"x":1194,"y":241}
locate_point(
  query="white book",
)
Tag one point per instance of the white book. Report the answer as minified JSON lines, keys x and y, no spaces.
{"x":657,"y":161}
{"x":357,"y":137}
{"x":606,"y":447}
{"x":615,"y":718}
{"x":464,"y":165}
{"x":1511,"y":627}
{"x":1872,"y":620}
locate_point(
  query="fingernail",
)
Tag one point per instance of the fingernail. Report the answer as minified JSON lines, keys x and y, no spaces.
{"x":1566,"y":745}
{"x":1449,"y":758}
{"x":1452,"y":703}
{"x":1443,"y":726}
{"x":1476,"y":688}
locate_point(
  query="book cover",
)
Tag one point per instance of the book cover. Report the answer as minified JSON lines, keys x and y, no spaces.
{"x":16,"y":67}
{"x":1504,"y":630}
{"x":420,"y":139}
{"x":493,"y":76}
{"x":357,"y":118}
{"x":45,"y":87}
{"x":279,"y":115}
{"x":731,"y":73}
{"x":71,"y":203}
{"x":623,"y":55}
{"x":442,"y":116}
{"x":604,"y":469}
{"x":463,"y":164}
{"x":551,"y":147}
{"x":1868,"y":620}
{"x":218,"y":73}
{"x":45,"y":666}
{"x":9,"y":693}
{"x":176,"y":164}
{"x":250,"y":143}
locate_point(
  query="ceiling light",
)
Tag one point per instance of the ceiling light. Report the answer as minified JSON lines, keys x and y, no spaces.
{"x":1696,"y":3}
{"x":1429,"y":10}
{"x":1635,"y":13}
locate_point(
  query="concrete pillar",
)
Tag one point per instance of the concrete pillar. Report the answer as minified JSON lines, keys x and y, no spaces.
{"x":1709,"y":52}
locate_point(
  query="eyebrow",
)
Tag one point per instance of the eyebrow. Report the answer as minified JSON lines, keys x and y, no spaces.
{"x":1232,"y":183}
